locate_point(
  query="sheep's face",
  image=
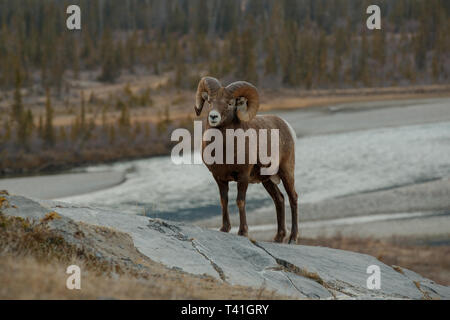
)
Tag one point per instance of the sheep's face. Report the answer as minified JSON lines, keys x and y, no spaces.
{"x":222,"y":109}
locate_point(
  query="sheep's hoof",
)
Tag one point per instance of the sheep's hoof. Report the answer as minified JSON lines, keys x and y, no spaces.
{"x":279,"y":237}
{"x":225,"y":228}
{"x":243,"y":233}
{"x":293,"y":239}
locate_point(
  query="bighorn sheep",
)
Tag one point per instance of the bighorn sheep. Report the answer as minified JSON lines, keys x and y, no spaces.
{"x":235,"y":107}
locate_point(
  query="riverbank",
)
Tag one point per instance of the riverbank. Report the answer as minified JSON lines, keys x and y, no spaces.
{"x":148,"y":133}
{"x":362,"y":161}
{"x":62,"y":185}
{"x":291,"y":99}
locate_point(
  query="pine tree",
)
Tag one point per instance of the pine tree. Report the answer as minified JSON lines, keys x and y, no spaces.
{"x":49,"y":134}
{"x":76,"y":61}
{"x":25,"y":129}
{"x":363,"y":73}
{"x":7,"y":134}
{"x":147,"y":130}
{"x":62,"y":133}
{"x":124,"y":119}
{"x":131,"y":48}
{"x":29,"y":124}
{"x":246,"y":64}
{"x":201,"y":21}
{"x":435,"y":66}
{"x":82,"y":125}
{"x":270,"y":65}
{"x":110,"y":68}
{"x":104,"y":117}
{"x":17,"y":106}
{"x":336,"y":67}
{"x":41,"y":127}
{"x":420,"y":49}
{"x":379,"y":46}
{"x":112,"y":134}
{"x":322,"y":57}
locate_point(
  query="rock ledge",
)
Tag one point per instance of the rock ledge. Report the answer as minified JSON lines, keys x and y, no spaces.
{"x":297,"y":271}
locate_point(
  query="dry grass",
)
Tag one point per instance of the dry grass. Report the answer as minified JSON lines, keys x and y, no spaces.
{"x":432,"y":262}
{"x":178,"y":103}
{"x":290,"y":99}
{"x":33,"y":260}
{"x":27,"y":278}
{"x":181,"y":101}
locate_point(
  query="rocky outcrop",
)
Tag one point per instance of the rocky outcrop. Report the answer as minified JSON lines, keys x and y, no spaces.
{"x":296,"y":271}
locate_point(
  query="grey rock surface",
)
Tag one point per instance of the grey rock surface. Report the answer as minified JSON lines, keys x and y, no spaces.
{"x":296,"y":271}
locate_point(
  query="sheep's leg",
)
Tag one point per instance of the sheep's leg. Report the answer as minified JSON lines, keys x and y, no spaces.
{"x":278,"y":199}
{"x":289,"y":186}
{"x":240,"y":201}
{"x":223,"y":188}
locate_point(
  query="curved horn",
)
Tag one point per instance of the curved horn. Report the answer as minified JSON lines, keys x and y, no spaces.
{"x":248,"y":110}
{"x":207,"y":85}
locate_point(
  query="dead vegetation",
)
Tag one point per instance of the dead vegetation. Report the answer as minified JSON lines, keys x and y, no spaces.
{"x":131,"y":119}
{"x":33,"y":261}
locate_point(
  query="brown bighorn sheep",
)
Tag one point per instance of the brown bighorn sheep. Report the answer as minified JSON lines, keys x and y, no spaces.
{"x":235,"y":107}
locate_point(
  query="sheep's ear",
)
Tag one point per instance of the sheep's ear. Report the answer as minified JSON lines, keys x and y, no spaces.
{"x":241,"y":101}
{"x":242,"y":109}
{"x":247,"y":99}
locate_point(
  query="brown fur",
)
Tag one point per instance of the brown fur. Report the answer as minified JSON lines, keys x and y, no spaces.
{"x":243,"y":174}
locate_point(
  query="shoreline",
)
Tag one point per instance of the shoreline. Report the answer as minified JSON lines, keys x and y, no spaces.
{"x":62,"y":185}
{"x":296,"y":99}
{"x":293,"y":100}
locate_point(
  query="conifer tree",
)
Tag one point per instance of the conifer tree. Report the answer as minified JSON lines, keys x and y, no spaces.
{"x":25,"y":129}
{"x":322,"y":57}
{"x":41,"y":127}
{"x":363,"y":73}
{"x":7,"y":134}
{"x":112,"y":134}
{"x":109,"y":59}
{"x":270,"y":65}
{"x":17,"y":106}
{"x":49,"y":134}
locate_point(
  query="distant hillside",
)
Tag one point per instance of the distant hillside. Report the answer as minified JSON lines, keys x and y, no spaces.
{"x":304,"y":43}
